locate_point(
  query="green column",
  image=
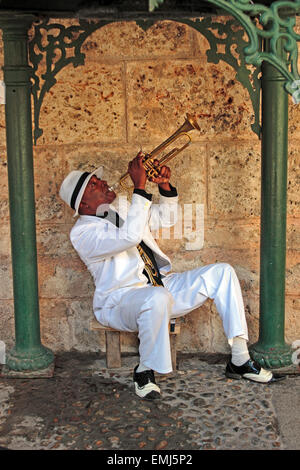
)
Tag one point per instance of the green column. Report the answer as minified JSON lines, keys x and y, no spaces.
{"x":28,"y":354}
{"x":271,"y":350}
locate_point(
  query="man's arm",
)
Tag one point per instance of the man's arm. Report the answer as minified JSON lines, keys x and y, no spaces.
{"x":102,"y":240}
{"x":164,"y":214}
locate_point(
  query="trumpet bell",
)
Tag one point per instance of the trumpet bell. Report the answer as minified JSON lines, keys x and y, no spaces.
{"x":192,"y":121}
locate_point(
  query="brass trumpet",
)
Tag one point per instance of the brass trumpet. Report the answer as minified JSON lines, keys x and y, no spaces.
{"x":152,"y":170}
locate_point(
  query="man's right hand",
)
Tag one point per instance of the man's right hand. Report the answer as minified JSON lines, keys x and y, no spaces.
{"x":137,"y":172}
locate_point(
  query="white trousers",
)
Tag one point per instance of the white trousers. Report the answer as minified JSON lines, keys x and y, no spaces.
{"x":149,"y":309}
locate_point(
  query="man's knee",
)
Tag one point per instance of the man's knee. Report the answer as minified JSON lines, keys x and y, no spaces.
{"x":162,"y":297}
{"x":223,"y":270}
{"x":161,"y":301}
{"x":225,"y":266}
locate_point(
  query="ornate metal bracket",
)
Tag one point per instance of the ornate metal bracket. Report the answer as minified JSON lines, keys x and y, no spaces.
{"x":272,"y":23}
{"x":230,"y":35}
{"x":52,"y":52}
{"x":61,"y":46}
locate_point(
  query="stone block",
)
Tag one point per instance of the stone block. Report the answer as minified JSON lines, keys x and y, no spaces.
{"x":247,"y":258}
{"x":7,"y":328}
{"x":54,"y":241}
{"x":292,"y":325}
{"x":183,"y":260}
{"x":251,"y":303}
{"x":48,"y":174}
{"x":5,"y":244}
{"x":189,"y":173}
{"x":127,"y":40}
{"x":294,"y":119}
{"x":6,"y":283}
{"x":293,"y":234}
{"x":236,"y":235}
{"x":234,"y":180}
{"x":249,"y":282}
{"x":56,"y":331}
{"x":218,"y":340}
{"x":2,"y":123}
{"x":65,"y":279}
{"x":293,"y":186}
{"x":249,"y":279}
{"x":195,"y":330}
{"x":79,"y":314}
{"x":89,"y":156}
{"x":87,"y":104}
{"x":293,"y":273}
{"x":161,"y":92}
{"x":4,"y":202}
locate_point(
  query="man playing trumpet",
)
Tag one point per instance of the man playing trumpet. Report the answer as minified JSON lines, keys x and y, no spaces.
{"x":134,"y":290}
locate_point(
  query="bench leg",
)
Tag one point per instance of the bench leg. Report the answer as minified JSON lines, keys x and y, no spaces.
{"x":173,"y":351}
{"x":113,"y":349}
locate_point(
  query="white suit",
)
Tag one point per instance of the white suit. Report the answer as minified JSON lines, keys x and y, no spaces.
{"x":124,"y":300}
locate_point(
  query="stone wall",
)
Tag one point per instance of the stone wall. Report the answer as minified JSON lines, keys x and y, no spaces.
{"x":134,"y":90}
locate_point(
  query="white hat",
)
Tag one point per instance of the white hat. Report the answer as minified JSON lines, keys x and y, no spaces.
{"x":73,"y":186}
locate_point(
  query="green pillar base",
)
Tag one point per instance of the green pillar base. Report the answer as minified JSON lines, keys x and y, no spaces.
{"x":271,"y":357}
{"x":30,"y":360}
{"x":46,"y":373}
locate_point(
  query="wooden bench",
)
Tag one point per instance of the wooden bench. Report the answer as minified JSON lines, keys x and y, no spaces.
{"x":113,"y":344}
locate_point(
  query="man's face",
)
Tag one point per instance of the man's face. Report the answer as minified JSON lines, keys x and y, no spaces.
{"x":95,"y":194}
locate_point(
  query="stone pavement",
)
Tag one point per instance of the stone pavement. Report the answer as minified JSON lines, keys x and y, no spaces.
{"x":84,"y":406}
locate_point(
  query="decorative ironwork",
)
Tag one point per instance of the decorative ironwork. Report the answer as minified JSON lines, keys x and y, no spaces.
{"x":54,"y":46}
{"x":230,"y":35}
{"x":59,"y":46}
{"x":271,"y":23}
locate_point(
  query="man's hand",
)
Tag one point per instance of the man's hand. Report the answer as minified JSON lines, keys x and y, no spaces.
{"x":163,"y":179}
{"x":137,"y":172}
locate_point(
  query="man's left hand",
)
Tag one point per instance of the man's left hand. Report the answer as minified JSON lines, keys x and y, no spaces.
{"x":163,"y":178}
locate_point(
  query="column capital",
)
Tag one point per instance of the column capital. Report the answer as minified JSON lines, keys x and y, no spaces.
{"x":15,"y":40}
{"x":16,"y":24}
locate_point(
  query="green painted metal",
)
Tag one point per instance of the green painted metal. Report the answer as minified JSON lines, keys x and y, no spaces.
{"x":153,"y":4}
{"x":271,"y":350}
{"x":274,"y":22}
{"x":28,"y":353}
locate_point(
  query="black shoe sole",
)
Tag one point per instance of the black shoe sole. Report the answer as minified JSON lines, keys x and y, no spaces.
{"x":275,"y":378}
{"x":232,"y":375}
{"x":152,"y":396}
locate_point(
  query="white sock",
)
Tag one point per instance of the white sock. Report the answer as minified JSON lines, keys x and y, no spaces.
{"x":239,"y":351}
{"x":141,"y":368}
